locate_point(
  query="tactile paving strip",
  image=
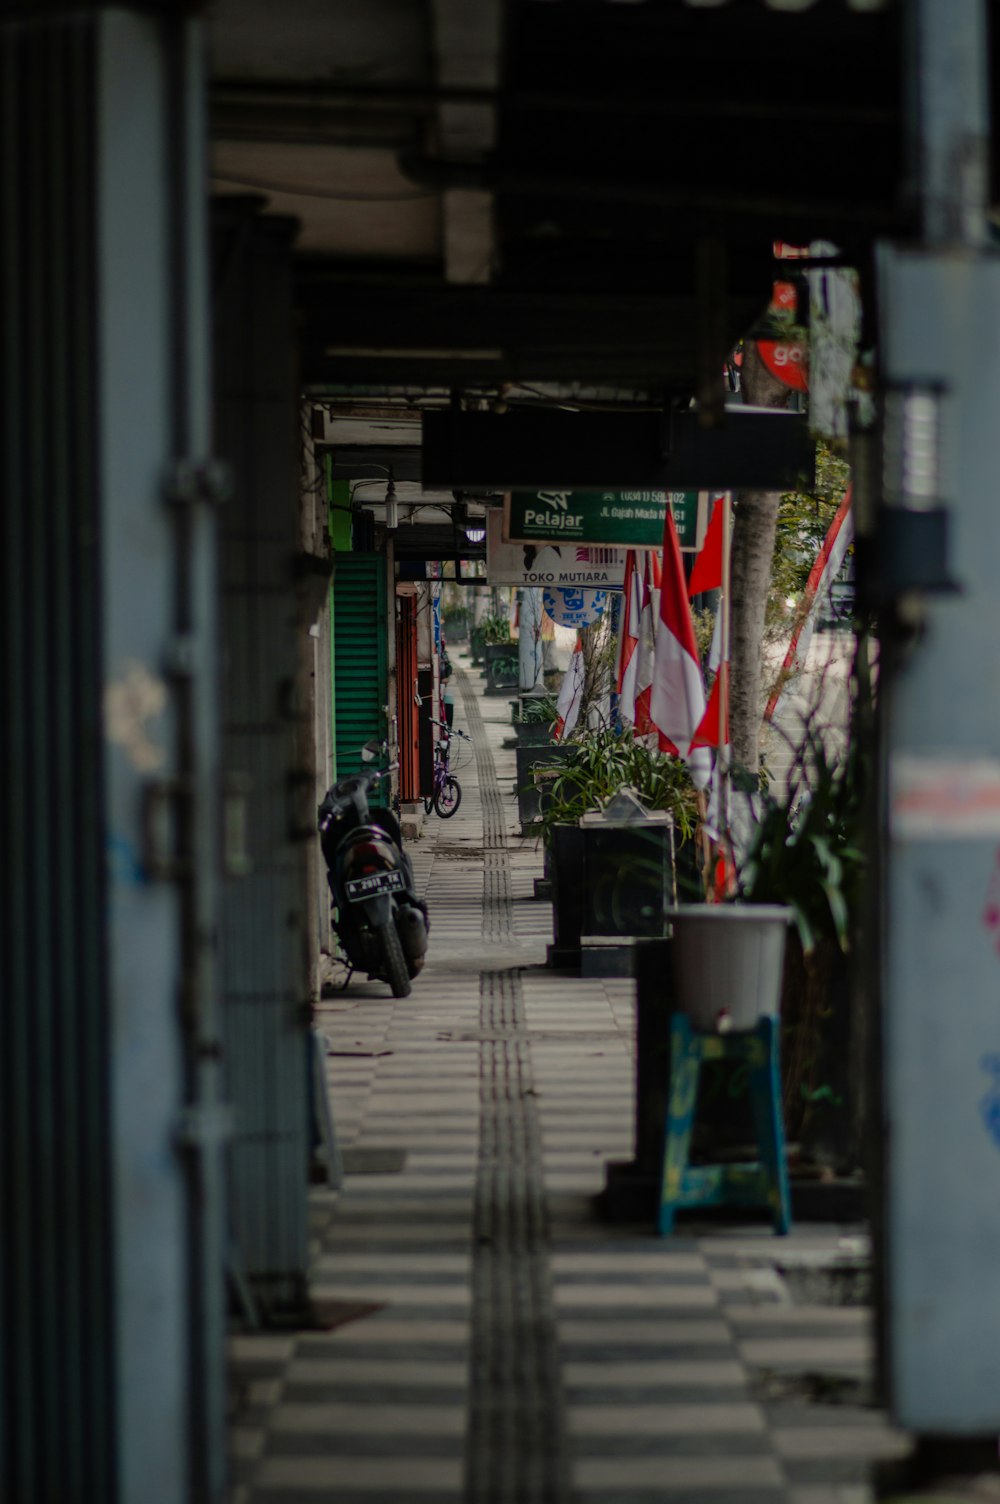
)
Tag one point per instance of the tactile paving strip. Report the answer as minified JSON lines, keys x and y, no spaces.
{"x":516,"y":1446}
{"x":494,"y":832}
{"x":516,"y":1437}
{"x":497,"y":914}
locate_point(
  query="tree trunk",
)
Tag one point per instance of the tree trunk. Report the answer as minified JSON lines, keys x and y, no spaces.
{"x":596,"y":672}
{"x":755,"y":516}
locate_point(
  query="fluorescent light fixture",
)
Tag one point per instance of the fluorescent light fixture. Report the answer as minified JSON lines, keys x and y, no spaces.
{"x":912,"y":445}
{"x":475,"y":534}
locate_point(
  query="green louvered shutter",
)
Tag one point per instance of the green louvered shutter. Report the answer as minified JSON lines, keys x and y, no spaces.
{"x":360,"y":656}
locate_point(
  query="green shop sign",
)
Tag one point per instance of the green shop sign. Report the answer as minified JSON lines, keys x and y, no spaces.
{"x":632,"y":519}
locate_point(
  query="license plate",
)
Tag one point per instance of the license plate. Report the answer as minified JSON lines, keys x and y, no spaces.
{"x":358,"y":888}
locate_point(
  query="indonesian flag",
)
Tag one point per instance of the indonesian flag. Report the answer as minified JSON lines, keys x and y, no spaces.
{"x":628,"y":636}
{"x":713,"y":728}
{"x":637,"y":641}
{"x":822,"y":575}
{"x":707,"y":574}
{"x":707,"y":571}
{"x":570,"y":694}
{"x":677,"y":703}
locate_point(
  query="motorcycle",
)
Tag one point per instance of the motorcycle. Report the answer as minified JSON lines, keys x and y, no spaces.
{"x":380,"y":922}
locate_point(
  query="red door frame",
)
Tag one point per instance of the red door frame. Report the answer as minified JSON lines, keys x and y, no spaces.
{"x":406,"y":698}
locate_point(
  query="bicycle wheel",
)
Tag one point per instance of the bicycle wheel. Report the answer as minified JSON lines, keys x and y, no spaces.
{"x":448,"y":797}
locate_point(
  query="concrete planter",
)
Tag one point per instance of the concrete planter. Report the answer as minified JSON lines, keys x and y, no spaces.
{"x":728,"y":959}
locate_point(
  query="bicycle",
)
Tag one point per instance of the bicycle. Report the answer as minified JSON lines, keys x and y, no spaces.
{"x":446,"y":793}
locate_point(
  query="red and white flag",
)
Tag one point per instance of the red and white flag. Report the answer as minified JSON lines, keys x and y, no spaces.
{"x":637,"y":642}
{"x":707,"y":574}
{"x":707,"y":571}
{"x":570,"y":694}
{"x":646,"y":652}
{"x":822,"y":575}
{"x":628,"y":635}
{"x":677,"y":703}
{"x":713,"y":728}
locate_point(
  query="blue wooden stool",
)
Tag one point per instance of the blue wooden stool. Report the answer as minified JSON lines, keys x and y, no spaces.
{"x":764,"y":1183}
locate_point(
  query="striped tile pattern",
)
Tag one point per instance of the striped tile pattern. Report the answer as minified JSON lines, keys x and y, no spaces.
{"x":486,"y":1339}
{"x":516,"y":1445}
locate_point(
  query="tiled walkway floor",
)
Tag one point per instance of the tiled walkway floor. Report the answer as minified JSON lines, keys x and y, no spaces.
{"x":503,"y":1345}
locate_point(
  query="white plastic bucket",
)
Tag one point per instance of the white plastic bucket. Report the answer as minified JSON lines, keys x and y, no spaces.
{"x":728,"y":961}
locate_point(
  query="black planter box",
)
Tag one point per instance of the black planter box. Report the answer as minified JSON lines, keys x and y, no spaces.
{"x":565,"y":869}
{"x":503,"y":671}
{"x":533,"y":733}
{"x":531,"y":794}
{"x":628,"y":878}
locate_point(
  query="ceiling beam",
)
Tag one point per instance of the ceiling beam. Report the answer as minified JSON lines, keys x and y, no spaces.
{"x":467,"y":41}
{"x":353,"y":461}
{"x":555,"y":450}
{"x":425,"y":333}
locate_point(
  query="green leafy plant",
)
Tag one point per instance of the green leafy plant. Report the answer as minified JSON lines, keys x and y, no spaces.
{"x":455,"y":618}
{"x":601,"y":764}
{"x":809,"y":852}
{"x":495,"y":629}
{"x":806,"y":851}
{"x":537,"y":710}
{"x":804,"y":518}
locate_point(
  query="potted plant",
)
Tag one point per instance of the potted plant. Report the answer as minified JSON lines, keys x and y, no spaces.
{"x":809,"y":854}
{"x":800,"y":875}
{"x":729,"y":962}
{"x":495,"y":628}
{"x":540,"y":759}
{"x":539,"y":765}
{"x":477,"y":644}
{"x":604,"y":761}
{"x":788,"y":929}
{"x":620,"y":878}
{"x":456,"y":623}
{"x":533,"y":719}
{"x":500,"y":655}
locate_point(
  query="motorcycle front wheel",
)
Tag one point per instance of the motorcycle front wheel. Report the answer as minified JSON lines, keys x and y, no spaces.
{"x":448,"y":798}
{"x":393,"y":962}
